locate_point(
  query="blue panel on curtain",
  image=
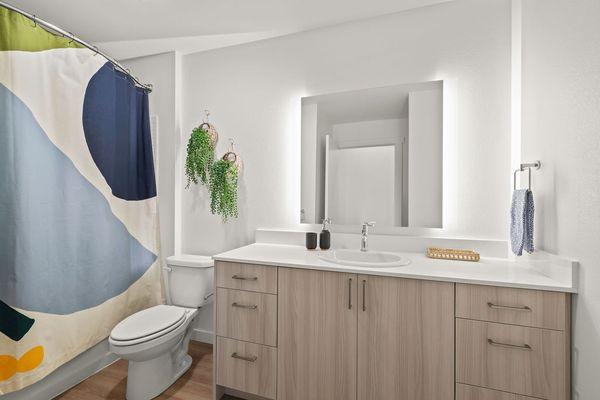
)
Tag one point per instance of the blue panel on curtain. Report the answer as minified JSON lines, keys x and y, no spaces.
{"x":117,"y":131}
{"x":62,"y":248}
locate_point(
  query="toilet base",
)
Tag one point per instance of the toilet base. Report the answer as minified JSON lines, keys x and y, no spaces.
{"x":148,"y":379}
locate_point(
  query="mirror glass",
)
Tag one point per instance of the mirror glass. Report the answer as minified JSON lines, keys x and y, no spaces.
{"x":374,"y":155}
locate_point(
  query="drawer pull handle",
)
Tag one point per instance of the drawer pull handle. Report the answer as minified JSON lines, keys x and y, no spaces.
{"x":249,"y":307}
{"x":249,"y":359}
{"x":510,"y":346}
{"x":349,"y":293}
{"x":513,"y":308}
{"x":245,"y":278}
{"x":364,"y":290}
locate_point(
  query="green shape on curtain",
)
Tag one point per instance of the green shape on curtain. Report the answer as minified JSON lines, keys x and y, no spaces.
{"x":12,"y":323}
{"x":18,"y":32}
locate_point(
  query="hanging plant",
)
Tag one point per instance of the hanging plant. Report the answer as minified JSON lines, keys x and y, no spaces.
{"x":223,"y":189}
{"x":200,"y":156}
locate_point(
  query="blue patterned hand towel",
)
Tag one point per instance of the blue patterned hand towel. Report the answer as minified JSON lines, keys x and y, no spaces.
{"x":521,"y":221}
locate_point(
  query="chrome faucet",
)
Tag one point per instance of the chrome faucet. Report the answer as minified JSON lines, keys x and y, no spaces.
{"x":364,"y":236}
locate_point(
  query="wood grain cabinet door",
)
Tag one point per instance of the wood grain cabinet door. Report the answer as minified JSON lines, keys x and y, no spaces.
{"x":316,"y":335}
{"x":405,"y":339}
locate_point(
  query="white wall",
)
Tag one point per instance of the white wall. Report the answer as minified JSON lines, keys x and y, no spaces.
{"x":160,"y":70}
{"x":254,"y":91}
{"x":425,"y":152}
{"x":561,"y":127}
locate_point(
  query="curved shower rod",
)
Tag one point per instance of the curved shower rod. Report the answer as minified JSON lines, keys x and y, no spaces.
{"x":70,"y":36}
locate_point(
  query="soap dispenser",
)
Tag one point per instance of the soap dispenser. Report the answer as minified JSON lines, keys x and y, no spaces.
{"x":325,"y":237}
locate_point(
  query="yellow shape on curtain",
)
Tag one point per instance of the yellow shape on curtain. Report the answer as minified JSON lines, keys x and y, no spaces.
{"x":29,"y":361}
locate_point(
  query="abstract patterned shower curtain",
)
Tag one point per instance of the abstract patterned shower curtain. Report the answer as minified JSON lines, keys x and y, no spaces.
{"x":79,"y":244}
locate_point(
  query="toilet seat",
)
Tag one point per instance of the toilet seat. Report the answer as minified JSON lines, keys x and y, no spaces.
{"x":148,"y":324}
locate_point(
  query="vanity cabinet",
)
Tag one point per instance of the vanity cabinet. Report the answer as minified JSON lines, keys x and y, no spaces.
{"x":305,"y":334}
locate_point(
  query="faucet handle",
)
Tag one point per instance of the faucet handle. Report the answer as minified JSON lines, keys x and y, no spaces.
{"x":365,"y":227}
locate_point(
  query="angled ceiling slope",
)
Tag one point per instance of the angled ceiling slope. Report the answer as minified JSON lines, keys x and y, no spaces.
{"x":201,"y":24}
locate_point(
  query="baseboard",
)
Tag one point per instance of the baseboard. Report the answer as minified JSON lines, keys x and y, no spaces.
{"x":68,"y":375}
{"x":200,"y":335}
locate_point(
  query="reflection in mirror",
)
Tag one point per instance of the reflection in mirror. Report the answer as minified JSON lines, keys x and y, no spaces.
{"x":374,"y":155}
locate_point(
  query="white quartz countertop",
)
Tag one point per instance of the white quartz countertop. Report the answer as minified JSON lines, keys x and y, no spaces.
{"x":531,"y":274}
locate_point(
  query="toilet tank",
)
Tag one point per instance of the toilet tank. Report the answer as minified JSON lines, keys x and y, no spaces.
{"x":189,"y":280}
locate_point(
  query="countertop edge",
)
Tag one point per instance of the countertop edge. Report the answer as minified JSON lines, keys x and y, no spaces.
{"x":399,"y":274}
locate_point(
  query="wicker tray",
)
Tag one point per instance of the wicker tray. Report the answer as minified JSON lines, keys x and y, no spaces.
{"x":452,"y":254}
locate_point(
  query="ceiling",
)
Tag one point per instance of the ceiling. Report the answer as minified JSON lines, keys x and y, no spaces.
{"x":102,"y":21}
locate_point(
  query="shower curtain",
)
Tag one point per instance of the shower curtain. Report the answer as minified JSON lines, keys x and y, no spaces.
{"x":79,"y":246}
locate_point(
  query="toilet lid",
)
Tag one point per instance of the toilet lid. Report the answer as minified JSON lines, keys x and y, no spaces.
{"x":148,"y":322}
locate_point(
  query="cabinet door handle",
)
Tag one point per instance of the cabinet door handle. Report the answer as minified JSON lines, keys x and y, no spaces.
{"x":244,"y":358}
{"x":249,"y":307}
{"x":513,"y":308}
{"x":364,"y":290}
{"x":349,"y":293}
{"x":510,"y":346}
{"x":245,"y":278}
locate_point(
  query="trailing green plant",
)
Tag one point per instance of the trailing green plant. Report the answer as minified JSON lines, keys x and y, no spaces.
{"x":200,"y":157}
{"x":223,"y":189}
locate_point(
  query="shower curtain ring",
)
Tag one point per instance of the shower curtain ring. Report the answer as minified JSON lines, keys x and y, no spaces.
{"x":34,"y":21}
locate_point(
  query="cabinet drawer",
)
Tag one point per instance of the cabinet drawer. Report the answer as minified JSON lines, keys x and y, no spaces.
{"x":526,"y":361}
{"x":536,"y":308}
{"x":466,"y":392}
{"x":247,"y":316}
{"x":247,"y":367}
{"x":256,"y":278}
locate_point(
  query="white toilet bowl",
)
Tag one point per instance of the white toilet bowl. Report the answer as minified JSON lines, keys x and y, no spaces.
{"x":155,"y":340}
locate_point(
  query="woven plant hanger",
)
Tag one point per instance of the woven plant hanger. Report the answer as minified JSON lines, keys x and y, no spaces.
{"x":234,"y":157}
{"x":209,"y":128}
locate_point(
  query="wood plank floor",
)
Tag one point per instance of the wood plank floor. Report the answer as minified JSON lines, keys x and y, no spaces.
{"x":110,"y":383}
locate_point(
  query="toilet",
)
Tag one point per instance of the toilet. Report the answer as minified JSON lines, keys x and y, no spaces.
{"x":155,"y":340}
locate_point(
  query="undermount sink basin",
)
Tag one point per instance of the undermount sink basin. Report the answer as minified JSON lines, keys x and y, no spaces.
{"x":370,"y":259}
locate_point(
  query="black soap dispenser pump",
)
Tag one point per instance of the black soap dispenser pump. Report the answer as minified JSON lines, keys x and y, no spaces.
{"x":325,"y":237}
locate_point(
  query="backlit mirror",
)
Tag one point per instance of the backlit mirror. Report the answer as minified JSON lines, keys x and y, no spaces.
{"x":374,"y":155}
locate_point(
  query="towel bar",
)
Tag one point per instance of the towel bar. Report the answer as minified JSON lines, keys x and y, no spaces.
{"x":523,"y":167}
